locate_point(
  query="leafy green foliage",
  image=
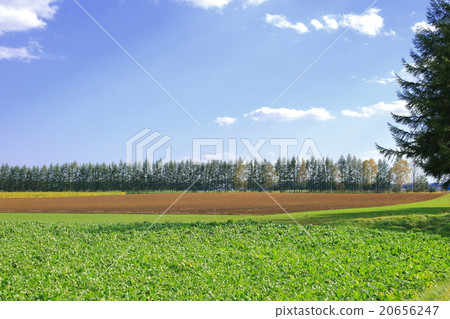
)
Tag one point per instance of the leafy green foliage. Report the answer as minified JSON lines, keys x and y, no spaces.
{"x":216,"y":261}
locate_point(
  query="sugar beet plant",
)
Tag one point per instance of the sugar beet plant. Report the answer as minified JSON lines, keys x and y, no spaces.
{"x":229,"y":261}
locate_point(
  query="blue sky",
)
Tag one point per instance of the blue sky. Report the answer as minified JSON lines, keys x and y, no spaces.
{"x":69,"y":93}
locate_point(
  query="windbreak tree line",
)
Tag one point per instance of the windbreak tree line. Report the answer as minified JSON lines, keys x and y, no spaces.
{"x":348,"y":174}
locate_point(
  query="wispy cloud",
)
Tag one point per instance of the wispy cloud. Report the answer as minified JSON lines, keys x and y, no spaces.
{"x":289,"y":114}
{"x":220,"y":4}
{"x":254,"y":2}
{"x":420,"y":26}
{"x":22,"y":54}
{"x":31,"y":52}
{"x":390,"y":33}
{"x":24,"y":15}
{"x":207,"y":4}
{"x":225,"y":120}
{"x":280,"y":21}
{"x":382,"y":80}
{"x":391,"y":77}
{"x":369,"y":23}
{"x":397,"y":107}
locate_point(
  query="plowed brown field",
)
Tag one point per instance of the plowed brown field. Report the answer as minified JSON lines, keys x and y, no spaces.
{"x":206,"y":203}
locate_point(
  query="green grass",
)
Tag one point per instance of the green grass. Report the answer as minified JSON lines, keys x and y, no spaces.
{"x":217,"y":261}
{"x":439,"y":292}
{"x":437,"y":224}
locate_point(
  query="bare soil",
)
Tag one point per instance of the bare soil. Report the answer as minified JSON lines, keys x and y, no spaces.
{"x":207,"y":203}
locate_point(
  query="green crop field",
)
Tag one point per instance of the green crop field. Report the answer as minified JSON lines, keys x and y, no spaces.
{"x":217,"y":261}
{"x":397,"y":252}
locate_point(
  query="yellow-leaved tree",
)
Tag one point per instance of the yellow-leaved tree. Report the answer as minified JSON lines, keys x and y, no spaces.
{"x":400,"y":173}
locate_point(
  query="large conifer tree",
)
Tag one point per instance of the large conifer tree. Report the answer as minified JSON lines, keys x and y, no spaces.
{"x":424,"y":134}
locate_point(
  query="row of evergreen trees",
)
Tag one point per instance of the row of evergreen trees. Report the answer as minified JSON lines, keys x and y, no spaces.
{"x":347,"y":174}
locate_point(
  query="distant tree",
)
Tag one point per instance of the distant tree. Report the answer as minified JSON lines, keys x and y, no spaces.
{"x":240,"y":176}
{"x":330,"y":173}
{"x":421,"y":184}
{"x":342,"y":172}
{"x":400,"y":173}
{"x":427,"y":98}
{"x":383,"y":178}
{"x":312,"y":166}
{"x":270,"y":177}
{"x":4,"y":177}
{"x":258,"y":174}
{"x":292,"y":174}
{"x":302,"y":177}
{"x":370,"y":169}
{"x":251,"y":172}
{"x":282,"y":169}
{"x":353,"y":169}
{"x":414,"y":172}
{"x":322,"y":175}
{"x":357,"y":173}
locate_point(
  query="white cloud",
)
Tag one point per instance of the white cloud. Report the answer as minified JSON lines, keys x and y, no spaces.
{"x":225,"y":120}
{"x":254,"y":2}
{"x":23,"y":15}
{"x":220,"y":4}
{"x":286,"y":114}
{"x":280,"y":21}
{"x":32,"y":52}
{"x":22,"y":53}
{"x":390,"y":78}
{"x":382,"y":80}
{"x":397,"y":107}
{"x":391,"y":33}
{"x":420,"y":26}
{"x":330,"y":22}
{"x":369,"y":23}
{"x":206,"y":4}
{"x":317,"y":24}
